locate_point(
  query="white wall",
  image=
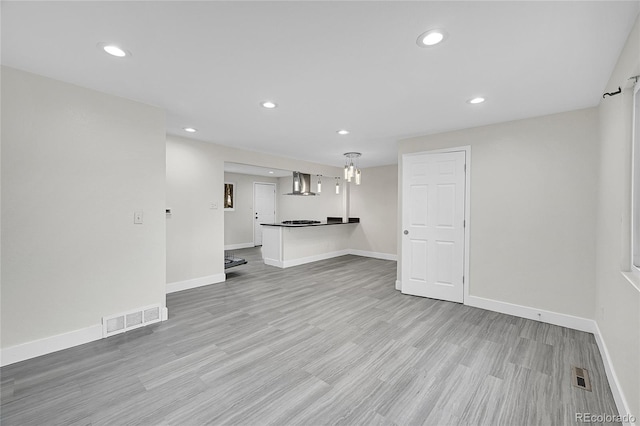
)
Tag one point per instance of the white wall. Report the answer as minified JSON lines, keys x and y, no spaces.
{"x":239,"y":222}
{"x":195,"y":232}
{"x":375,"y":203}
{"x":617,"y":306}
{"x":195,"y":176}
{"x":532,"y":209}
{"x":76,"y":164}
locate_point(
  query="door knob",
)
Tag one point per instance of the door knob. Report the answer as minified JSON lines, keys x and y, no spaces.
{"x":406,"y":232}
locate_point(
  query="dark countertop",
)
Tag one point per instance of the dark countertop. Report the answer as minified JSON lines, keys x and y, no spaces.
{"x":329,"y":221}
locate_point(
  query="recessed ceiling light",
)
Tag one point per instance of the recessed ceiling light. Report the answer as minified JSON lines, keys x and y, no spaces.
{"x":477,"y":100}
{"x":189,"y":129}
{"x":269,"y":104}
{"x":270,"y":172}
{"x":343,"y":132}
{"x":114,"y":50}
{"x":430,"y":38}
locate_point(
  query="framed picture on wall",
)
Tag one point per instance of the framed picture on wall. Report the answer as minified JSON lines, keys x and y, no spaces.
{"x":229,"y":196}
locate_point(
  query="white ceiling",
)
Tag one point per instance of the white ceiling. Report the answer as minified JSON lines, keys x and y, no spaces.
{"x":329,"y":65}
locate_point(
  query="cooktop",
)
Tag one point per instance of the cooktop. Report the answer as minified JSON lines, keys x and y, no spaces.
{"x":299,"y":222}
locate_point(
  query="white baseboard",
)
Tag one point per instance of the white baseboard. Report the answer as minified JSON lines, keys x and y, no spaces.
{"x":323,"y":256}
{"x":398,"y":285}
{"x":314,"y":258}
{"x":273,"y":262}
{"x":375,"y":255}
{"x":239,"y":246}
{"x":303,"y":260}
{"x":195,"y":282}
{"x":51,"y":344}
{"x":614,"y":384}
{"x":563,"y":320}
{"x":56,"y":343}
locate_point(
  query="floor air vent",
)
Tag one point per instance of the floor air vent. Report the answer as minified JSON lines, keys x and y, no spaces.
{"x":580,"y":378}
{"x":130,"y":320}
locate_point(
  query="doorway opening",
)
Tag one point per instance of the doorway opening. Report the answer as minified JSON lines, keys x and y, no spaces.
{"x":264,"y":207}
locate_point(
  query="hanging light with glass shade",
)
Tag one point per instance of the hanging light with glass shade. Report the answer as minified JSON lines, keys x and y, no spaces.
{"x":337,"y":185}
{"x":319,"y":190}
{"x":351,"y":170}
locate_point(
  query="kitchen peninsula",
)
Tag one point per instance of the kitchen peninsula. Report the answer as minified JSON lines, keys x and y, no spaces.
{"x":293,"y":243}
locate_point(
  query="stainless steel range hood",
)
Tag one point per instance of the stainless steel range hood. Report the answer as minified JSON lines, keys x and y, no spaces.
{"x":301,"y":184}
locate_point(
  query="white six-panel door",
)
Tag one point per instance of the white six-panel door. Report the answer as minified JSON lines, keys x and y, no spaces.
{"x":264,"y":204}
{"x":433,"y":203}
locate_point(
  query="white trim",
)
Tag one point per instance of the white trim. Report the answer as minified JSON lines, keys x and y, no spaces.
{"x":273,"y":262}
{"x":50,"y":344}
{"x":329,"y":255}
{"x":314,"y":258}
{"x":614,"y":384}
{"x":635,"y":142}
{"x":303,"y":260}
{"x":467,"y":219}
{"x":399,"y":285}
{"x":633,"y":278}
{"x":195,"y":282}
{"x":59,"y":342}
{"x":373,"y":254}
{"x":238,"y":246}
{"x":555,"y":318}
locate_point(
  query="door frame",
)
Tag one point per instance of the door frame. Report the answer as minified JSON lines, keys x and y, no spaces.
{"x":467,"y":211}
{"x":253,"y":205}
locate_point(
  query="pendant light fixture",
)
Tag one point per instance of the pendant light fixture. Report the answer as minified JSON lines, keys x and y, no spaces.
{"x":337,"y":185}
{"x":319,"y":190}
{"x":351,"y":170}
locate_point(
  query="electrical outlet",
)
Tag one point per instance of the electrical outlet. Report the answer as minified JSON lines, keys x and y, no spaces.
{"x":137,"y":217}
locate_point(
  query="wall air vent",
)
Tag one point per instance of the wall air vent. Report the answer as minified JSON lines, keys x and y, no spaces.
{"x":119,"y":323}
{"x":114,"y":325}
{"x":580,"y":378}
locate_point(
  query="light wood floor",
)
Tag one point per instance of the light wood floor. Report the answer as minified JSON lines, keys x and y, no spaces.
{"x":325,"y":343}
